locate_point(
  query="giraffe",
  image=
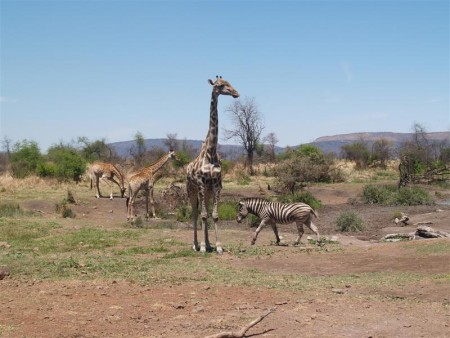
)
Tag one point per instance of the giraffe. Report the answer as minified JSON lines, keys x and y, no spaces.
{"x":145,"y":178}
{"x":204,"y":178}
{"x":108,"y":172}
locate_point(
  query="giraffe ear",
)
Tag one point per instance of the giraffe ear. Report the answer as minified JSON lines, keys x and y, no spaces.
{"x":211,"y":82}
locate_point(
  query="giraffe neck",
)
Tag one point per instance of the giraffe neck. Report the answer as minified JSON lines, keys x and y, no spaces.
{"x":213,"y":131}
{"x":118,"y":173}
{"x":158,"y":165}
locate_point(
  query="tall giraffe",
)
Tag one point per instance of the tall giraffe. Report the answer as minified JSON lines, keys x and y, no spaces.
{"x":204,"y":178}
{"x":145,"y":178}
{"x":108,"y":172}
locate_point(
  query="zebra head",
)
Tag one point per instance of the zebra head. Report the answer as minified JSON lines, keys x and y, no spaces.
{"x":242,"y":211}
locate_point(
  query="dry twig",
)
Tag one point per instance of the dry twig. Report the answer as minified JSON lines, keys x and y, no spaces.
{"x":241,"y":332}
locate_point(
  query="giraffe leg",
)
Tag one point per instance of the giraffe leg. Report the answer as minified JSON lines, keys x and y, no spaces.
{"x":300,"y":232}
{"x":258,"y":230}
{"x":107,"y":180}
{"x":215,"y":216}
{"x":152,"y":201}
{"x":205,"y":244}
{"x":193,"y":196}
{"x":118,"y":184}
{"x":97,"y":186}
{"x":146,"y":192}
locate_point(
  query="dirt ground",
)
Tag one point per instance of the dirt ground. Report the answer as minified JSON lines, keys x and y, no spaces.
{"x":36,"y":308}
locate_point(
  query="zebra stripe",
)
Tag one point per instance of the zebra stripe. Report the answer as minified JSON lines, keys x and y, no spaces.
{"x":275,"y":212}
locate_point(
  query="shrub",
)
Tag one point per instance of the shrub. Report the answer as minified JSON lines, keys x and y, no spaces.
{"x":390,"y":195}
{"x":349,"y":221}
{"x":378,"y":194}
{"x":184,"y":213}
{"x":303,"y":197}
{"x":25,"y":158}
{"x":228,"y":210}
{"x":413,"y":196}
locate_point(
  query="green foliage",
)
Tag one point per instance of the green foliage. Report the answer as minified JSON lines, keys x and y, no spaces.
{"x":184,"y":213}
{"x":303,"y":197}
{"x":349,"y":221}
{"x":228,"y":210}
{"x":25,"y":158}
{"x":390,"y":195}
{"x":226,"y":166}
{"x":183,"y":158}
{"x":311,"y":151}
{"x":95,"y":151}
{"x":306,"y":164}
{"x":65,"y":163}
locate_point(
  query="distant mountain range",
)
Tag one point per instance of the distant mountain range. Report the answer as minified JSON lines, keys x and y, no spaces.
{"x":328,"y":144}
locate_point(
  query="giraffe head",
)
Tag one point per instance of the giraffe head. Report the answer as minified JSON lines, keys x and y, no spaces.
{"x":222,"y":87}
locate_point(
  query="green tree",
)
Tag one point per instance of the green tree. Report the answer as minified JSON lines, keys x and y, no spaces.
{"x":96,"y":150}
{"x":66,"y":161}
{"x":358,"y":152}
{"x":25,"y":158}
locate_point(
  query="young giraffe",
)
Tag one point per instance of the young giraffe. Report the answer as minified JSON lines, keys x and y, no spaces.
{"x":204,"y":177}
{"x":145,"y":178}
{"x":106,"y":171}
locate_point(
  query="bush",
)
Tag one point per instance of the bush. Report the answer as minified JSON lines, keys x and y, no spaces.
{"x":390,"y":195}
{"x":306,"y":164}
{"x":25,"y":158}
{"x":303,"y":197}
{"x":349,"y":221}
{"x":228,"y":210}
{"x":413,"y":196}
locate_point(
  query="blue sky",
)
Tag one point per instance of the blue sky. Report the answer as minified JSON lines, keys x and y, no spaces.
{"x":107,"y":69}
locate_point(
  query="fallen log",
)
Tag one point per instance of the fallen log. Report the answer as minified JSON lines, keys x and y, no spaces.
{"x":429,"y":232}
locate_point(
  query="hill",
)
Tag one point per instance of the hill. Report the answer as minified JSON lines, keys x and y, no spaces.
{"x":333,"y":144}
{"x":328,"y":144}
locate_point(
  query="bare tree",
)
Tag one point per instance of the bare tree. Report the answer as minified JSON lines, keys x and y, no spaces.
{"x":271,"y":139}
{"x":171,"y":142}
{"x":248,"y":126}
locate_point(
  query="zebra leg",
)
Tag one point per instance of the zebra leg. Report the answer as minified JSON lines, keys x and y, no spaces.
{"x":314,"y":229}
{"x":275,"y":231}
{"x":255,"y":236}
{"x":300,"y":232}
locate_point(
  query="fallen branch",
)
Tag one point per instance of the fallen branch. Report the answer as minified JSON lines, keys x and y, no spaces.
{"x":429,"y":232}
{"x":241,"y":333}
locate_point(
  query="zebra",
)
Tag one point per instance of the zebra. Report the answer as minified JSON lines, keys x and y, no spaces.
{"x":275,"y":212}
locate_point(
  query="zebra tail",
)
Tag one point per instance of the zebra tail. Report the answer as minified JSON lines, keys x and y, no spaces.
{"x":315,"y":213}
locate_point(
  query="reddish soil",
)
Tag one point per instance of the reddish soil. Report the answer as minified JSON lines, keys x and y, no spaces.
{"x":34,"y":308}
